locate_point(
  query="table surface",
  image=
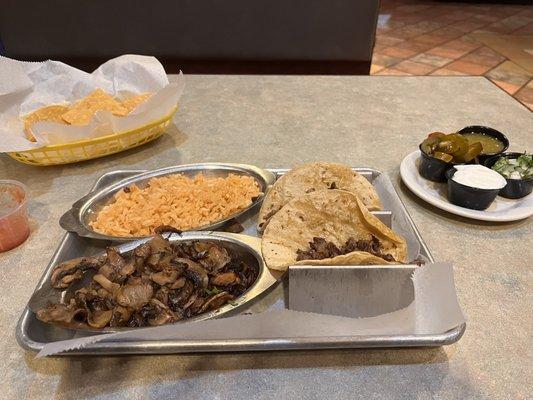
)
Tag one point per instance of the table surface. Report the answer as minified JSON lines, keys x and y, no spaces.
{"x":278,"y":121}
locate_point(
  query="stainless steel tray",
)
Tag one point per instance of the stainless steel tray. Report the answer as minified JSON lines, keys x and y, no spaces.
{"x":33,"y":334}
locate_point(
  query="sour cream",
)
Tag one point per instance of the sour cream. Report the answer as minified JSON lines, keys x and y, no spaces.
{"x":478,"y":176}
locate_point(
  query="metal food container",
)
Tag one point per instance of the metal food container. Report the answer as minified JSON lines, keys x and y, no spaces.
{"x":85,"y":210}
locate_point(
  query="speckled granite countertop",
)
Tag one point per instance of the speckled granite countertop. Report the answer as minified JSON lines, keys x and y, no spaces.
{"x":283,"y":121}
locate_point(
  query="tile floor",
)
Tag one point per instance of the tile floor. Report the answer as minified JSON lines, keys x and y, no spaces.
{"x":423,"y":37}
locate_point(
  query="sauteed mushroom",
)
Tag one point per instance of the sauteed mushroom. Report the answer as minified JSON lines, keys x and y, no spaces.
{"x":155,"y":284}
{"x":71,"y":271}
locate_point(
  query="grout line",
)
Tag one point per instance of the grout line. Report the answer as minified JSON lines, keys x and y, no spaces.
{"x":512,"y":95}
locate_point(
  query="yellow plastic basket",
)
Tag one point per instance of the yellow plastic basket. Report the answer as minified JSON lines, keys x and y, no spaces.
{"x":88,"y":149}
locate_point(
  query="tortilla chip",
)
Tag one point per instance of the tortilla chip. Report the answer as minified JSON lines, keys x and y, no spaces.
{"x":132,"y":103}
{"x":334,"y":215}
{"x":49,"y":113}
{"x":312,"y":177}
{"x":83,"y":110}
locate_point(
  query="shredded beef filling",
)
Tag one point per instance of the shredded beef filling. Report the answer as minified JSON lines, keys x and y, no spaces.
{"x":320,"y":249}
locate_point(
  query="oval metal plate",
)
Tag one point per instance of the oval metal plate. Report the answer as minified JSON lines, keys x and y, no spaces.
{"x":246,"y":248}
{"x":85,"y":210}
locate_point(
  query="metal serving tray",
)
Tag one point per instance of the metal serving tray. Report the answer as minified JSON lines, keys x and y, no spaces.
{"x":33,"y":334}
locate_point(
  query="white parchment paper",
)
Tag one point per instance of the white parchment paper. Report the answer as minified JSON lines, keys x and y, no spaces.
{"x":27,"y":86}
{"x":434,"y":310}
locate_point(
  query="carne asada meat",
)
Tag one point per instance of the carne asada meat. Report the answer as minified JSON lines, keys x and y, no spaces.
{"x":320,"y":249}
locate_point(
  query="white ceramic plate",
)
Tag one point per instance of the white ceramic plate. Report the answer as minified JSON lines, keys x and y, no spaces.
{"x":500,"y":210}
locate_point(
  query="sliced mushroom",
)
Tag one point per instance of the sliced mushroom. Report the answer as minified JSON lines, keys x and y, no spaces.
{"x":115,"y":259}
{"x":195,"y":272}
{"x":164,"y":277}
{"x":140,"y":254}
{"x":211,"y":256}
{"x":103,"y":293}
{"x":196,"y":305}
{"x":62,"y":314}
{"x":177,"y":299}
{"x":109,"y":272}
{"x":71,"y":271}
{"x":134,"y":294}
{"x":178,"y":283}
{"x":163,"y":315}
{"x":216,"y":301}
{"x":120,"y":317}
{"x":106,"y":283}
{"x":226,"y":279}
{"x":162,"y":294}
{"x":128,"y":268}
{"x":100,"y":318}
{"x":143,"y":251}
{"x":191,"y":300}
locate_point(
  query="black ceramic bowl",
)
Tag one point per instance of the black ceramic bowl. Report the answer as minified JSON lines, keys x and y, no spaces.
{"x":485,"y":130}
{"x":515,"y":188}
{"x":467,"y":196}
{"x":432,"y":168}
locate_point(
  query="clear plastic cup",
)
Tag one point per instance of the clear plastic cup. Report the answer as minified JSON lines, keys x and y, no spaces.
{"x":14,"y":227}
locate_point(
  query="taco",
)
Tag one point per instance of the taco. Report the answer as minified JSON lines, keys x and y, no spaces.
{"x":329,"y":227}
{"x":309,"y":178}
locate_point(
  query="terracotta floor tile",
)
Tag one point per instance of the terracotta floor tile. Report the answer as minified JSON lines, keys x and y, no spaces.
{"x":516,"y":21}
{"x":388,"y":23}
{"x":451,"y":33}
{"x":405,"y":33}
{"x":414,"y":7}
{"x":525,"y":30}
{"x":467,"y":68}
{"x":375,"y":68}
{"x":414,"y":68}
{"x":446,"y":72}
{"x":416,"y":46}
{"x":468,"y":26}
{"x":387,"y":40}
{"x":386,"y":61}
{"x":430,"y":38}
{"x":379,"y":47}
{"x":509,"y":72}
{"x":462,"y":44}
{"x":461,"y":14}
{"x":525,"y":95}
{"x":447,"y":52}
{"x":486,"y":57}
{"x":528,"y":12}
{"x":488,"y":17}
{"x":498,"y":27}
{"x":430,"y":59}
{"x":400,"y":53}
{"x":429,"y":25}
{"x":508,"y":87}
{"x":392,"y":71}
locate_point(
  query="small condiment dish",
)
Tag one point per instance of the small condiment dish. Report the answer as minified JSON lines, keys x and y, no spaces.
{"x":468,"y":196}
{"x":14,"y":226}
{"x":432,"y":168}
{"x":515,"y":188}
{"x":485,"y":130}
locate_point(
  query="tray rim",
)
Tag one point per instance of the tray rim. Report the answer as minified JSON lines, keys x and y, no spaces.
{"x":239,"y":345}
